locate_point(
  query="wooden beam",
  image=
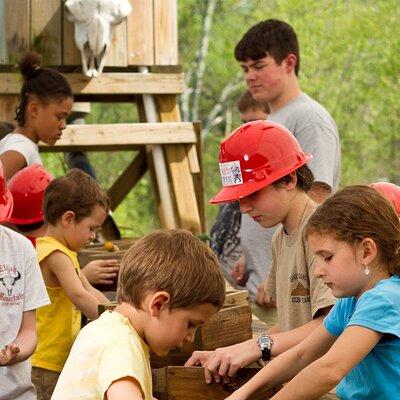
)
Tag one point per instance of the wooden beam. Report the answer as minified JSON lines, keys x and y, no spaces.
{"x":14,"y":30}
{"x":140,"y":33}
{"x":46,"y":30}
{"x":127,"y":180}
{"x":7,"y":108}
{"x":166,"y":32}
{"x":121,"y":136}
{"x":116,"y":83}
{"x":179,"y":168}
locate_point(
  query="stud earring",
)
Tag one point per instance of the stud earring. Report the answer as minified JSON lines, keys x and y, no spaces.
{"x":366,"y":270}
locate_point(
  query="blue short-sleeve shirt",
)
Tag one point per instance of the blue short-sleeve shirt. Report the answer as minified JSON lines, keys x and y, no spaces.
{"x":377,"y":376}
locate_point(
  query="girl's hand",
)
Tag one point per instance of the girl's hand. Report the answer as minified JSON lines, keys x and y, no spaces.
{"x":9,"y":354}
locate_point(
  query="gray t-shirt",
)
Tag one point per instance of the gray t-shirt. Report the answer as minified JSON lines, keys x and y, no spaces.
{"x":317,"y":133}
{"x":256,"y":247}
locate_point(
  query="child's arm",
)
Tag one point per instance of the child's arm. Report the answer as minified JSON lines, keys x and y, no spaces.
{"x":25,"y":342}
{"x":284,"y":367}
{"x":61,"y":266}
{"x":226,"y":361}
{"x":99,"y":296}
{"x":124,"y":389}
{"x":325,"y":373}
{"x":12,"y":161}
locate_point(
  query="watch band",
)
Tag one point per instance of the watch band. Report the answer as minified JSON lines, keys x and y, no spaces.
{"x":265,"y":343}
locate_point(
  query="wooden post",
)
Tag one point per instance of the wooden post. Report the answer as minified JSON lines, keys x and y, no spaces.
{"x":7,"y":108}
{"x":179,"y":168}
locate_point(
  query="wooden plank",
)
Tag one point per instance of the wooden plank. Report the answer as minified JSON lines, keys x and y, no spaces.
{"x":166,"y":32}
{"x":46,"y":30}
{"x":238,"y":297}
{"x":14,"y":30}
{"x":140,"y":25}
{"x":70,"y":53}
{"x":181,"y":383}
{"x":7,"y":108}
{"x":122,"y":136}
{"x":179,"y":169}
{"x":116,"y":83}
{"x":117,"y":52}
{"x":198,"y":179}
{"x":228,"y":326}
{"x":127,"y":180}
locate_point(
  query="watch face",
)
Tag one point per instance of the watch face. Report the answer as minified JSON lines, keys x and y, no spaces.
{"x":264,"y":342}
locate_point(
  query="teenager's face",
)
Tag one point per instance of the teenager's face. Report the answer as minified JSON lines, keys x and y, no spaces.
{"x":173,"y":328}
{"x":339,"y":265}
{"x":264,"y":78}
{"x":268,"y":206}
{"x":253,"y":114}
{"x":50,"y":119}
{"x":79,"y":234}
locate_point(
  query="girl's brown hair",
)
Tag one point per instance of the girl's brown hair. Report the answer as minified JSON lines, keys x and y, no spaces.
{"x":46,"y":84}
{"x":358,"y":212}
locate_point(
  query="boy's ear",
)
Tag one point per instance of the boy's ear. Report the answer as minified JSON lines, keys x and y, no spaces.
{"x":290,"y":63}
{"x":159,"y":301}
{"x":67,"y":218}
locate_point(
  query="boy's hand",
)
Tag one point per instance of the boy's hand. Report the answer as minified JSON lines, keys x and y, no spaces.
{"x":263,"y":299}
{"x":225,"y":361}
{"x":9,"y":354}
{"x":239,"y":272}
{"x":101,"y":272}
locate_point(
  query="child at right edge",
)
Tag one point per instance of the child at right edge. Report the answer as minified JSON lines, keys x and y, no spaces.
{"x":169,"y":283}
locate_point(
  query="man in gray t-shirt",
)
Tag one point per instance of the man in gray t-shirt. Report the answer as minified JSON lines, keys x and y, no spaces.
{"x":269,"y":55}
{"x":270,"y":58}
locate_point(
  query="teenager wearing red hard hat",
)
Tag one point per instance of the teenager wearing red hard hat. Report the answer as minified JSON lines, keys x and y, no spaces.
{"x":263,"y":166}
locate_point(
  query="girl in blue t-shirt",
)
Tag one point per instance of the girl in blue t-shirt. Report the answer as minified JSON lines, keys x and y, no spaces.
{"x":355,"y":236}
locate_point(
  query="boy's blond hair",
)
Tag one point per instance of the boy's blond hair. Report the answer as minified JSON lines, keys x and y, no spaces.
{"x":76,"y":191}
{"x":174,"y":261}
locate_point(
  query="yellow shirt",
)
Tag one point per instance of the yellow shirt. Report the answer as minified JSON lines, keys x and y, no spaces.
{"x":105,"y":351}
{"x":59,"y":323}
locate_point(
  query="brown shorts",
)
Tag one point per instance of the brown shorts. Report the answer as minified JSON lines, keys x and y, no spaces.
{"x":44,"y":381}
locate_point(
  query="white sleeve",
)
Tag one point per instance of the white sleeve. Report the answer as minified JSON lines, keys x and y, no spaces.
{"x":25,"y":147}
{"x":35,"y":290}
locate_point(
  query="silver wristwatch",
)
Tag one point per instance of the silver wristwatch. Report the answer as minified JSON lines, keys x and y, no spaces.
{"x":265,"y":343}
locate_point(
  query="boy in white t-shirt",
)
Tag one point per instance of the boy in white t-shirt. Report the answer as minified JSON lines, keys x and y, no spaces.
{"x":22,"y":291}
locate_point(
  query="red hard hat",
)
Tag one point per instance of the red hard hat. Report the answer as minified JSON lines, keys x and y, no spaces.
{"x":390,"y":191}
{"x":255,"y":155}
{"x":6,"y":199}
{"x":27,"y":187}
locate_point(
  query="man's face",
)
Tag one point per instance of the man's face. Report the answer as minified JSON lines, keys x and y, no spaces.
{"x":265,"y":78}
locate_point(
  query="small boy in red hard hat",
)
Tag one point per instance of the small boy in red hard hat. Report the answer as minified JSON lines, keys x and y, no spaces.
{"x":27,"y":187}
{"x":263,"y":167}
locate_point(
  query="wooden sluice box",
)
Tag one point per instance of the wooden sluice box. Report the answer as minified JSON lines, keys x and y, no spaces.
{"x":181,"y":383}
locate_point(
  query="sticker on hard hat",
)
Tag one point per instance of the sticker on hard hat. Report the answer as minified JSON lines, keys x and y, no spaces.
{"x":230,"y":173}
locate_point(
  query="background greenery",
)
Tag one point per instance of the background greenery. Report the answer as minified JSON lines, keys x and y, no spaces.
{"x":349,"y":62}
